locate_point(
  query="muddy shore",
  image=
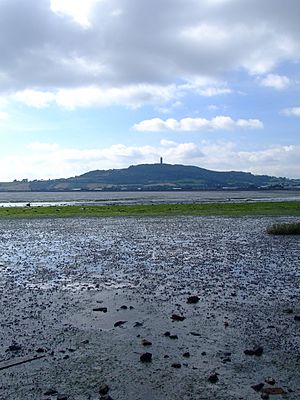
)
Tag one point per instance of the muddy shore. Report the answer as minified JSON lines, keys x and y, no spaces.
{"x":58,"y":276}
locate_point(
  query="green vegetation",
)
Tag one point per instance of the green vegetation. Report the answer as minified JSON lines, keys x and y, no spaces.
{"x":213,"y":209}
{"x":285,"y":229}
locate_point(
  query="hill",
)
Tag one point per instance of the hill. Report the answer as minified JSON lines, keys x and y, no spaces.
{"x":155,"y":177}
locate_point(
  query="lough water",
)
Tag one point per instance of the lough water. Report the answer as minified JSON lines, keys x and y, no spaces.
{"x":20,"y":199}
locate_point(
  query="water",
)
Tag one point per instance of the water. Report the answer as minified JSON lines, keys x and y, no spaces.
{"x":20,"y":199}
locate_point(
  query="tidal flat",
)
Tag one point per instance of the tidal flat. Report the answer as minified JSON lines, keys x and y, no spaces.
{"x":59,"y":275}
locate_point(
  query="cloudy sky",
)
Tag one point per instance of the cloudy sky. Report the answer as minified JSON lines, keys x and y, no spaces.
{"x":98,"y":84}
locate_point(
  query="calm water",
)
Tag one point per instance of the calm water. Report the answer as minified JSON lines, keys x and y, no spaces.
{"x":20,"y":199}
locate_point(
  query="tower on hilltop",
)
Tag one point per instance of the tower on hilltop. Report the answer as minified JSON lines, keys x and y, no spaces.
{"x":161,"y":160}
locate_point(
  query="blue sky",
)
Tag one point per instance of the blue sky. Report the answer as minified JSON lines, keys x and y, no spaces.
{"x":99,"y":84}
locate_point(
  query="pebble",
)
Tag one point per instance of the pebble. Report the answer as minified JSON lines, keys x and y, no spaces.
{"x":258,"y":387}
{"x":146,"y":357}
{"x":213,"y":378}
{"x":176,"y":317}
{"x":193,"y":299}
{"x":119,"y":323}
{"x":176,"y":365}
{"x":146,"y":342}
{"x":103,"y":389}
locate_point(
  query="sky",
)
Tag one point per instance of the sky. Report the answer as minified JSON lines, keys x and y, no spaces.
{"x":100,"y":84}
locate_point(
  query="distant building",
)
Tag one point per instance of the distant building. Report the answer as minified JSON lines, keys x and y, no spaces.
{"x":161,"y":160}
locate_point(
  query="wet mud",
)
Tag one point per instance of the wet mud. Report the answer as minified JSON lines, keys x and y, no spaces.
{"x":83,"y":299}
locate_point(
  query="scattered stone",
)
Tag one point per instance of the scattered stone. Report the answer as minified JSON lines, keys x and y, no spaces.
{"x":273,"y":391}
{"x":167,"y":334}
{"x":50,"y":392}
{"x":166,"y":356}
{"x":203,"y":353}
{"x":131,"y":308}
{"x":173,"y":337}
{"x":119,"y":323}
{"x":123,"y":307}
{"x":193,"y":299}
{"x":62,"y":397}
{"x":102,"y":309}
{"x":258,"y":387}
{"x":176,"y":365}
{"x":103,"y":389}
{"x":146,"y":342}
{"x":195,"y":334}
{"x":270,"y":381}
{"x":146,"y":357}
{"x":226,"y":324}
{"x":288,"y":311}
{"x":137,"y":324}
{"x":264,"y":396}
{"x":40,"y":350}
{"x":213,"y":378}
{"x":176,"y":317}
{"x":257,"y":351}
{"x":14,"y":347}
{"x":186,"y":354}
{"x":297,"y":317}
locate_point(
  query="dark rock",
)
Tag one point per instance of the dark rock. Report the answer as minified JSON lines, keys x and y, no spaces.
{"x":173,"y":337}
{"x":62,"y":397}
{"x":264,"y":396}
{"x":146,"y":342}
{"x":176,"y":317}
{"x":119,"y":323}
{"x":289,"y":311}
{"x":146,"y":357}
{"x":203,"y":353}
{"x":137,"y":324}
{"x":102,"y":309}
{"x":123,"y":307}
{"x":167,"y":333}
{"x":186,"y":354}
{"x":50,"y":392}
{"x":213,"y":378}
{"x":193,"y":299}
{"x":257,"y":351}
{"x":297,"y":317}
{"x":258,"y":387}
{"x":176,"y":365}
{"x":195,"y":334}
{"x":14,"y":347}
{"x":103,"y":389}
{"x":40,"y":350}
{"x":273,"y":391}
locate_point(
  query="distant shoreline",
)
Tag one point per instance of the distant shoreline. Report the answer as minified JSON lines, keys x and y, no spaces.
{"x":286,"y":208}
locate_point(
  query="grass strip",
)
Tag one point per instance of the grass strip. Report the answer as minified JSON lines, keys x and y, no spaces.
{"x":285,"y":229}
{"x":211,"y":209}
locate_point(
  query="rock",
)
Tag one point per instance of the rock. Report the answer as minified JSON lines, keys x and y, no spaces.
{"x":167,"y":334}
{"x":270,"y":381}
{"x":186,"y":354}
{"x":119,"y":323}
{"x":193,"y":299}
{"x":123,"y":307}
{"x":176,"y":317}
{"x":288,"y":311}
{"x":213,"y":378}
{"x":137,"y":324}
{"x":176,"y":365}
{"x":195,"y":334}
{"x":264,"y":396}
{"x":273,"y":391}
{"x":103,"y":389}
{"x":257,"y":351}
{"x":297,"y":317}
{"x":203,"y":353}
{"x":146,"y":342}
{"x":40,"y":350}
{"x":14,"y":347}
{"x":62,"y":397}
{"x":102,"y":309}
{"x":50,"y":392}
{"x":173,"y":337}
{"x":146,"y":357}
{"x":258,"y":387}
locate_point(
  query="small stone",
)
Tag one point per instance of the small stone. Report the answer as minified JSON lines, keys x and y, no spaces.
{"x":14,"y":347}
{"x":258,"y":387}
{"x":297,"y":317}
{"x":40,"y":350}
{"x":203,"y":353}
{"x":195,"y":334}
{"x":102,"y":309}
{"x":176,"y":365}
{"x":103,"y":389}
{"x":146,"y":357}
{"x":137,"y":324}
{"x":167,"y":334}
{"x":146,"y":342}
{"x":213,"y":378}
{"x":264,"y":396}
{"x":257,"y":351}
{"x":62,"y":397}
{"x":50,"y":392}
{"x":273,"y":391}
{"x":270,"y":381}
{"x":173,"y":337}
{"x":193,"y":299}
{"x":119,"y":323}
{"x":176,"y":317}
{"x":123,"y":307}
{"x":186,"y":354}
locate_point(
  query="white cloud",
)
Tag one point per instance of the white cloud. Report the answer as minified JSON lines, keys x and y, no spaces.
{"x":34,"y":98}
{"x":291,"y":112}
{"x":196,"y":124}
{"x":46,"y":147}
{"x":278,"y":82}
{"x":79,"y":10}
{"x":3,"y":115}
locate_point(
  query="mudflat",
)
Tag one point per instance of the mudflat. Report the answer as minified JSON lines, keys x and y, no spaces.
{"x":82,"y":299}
